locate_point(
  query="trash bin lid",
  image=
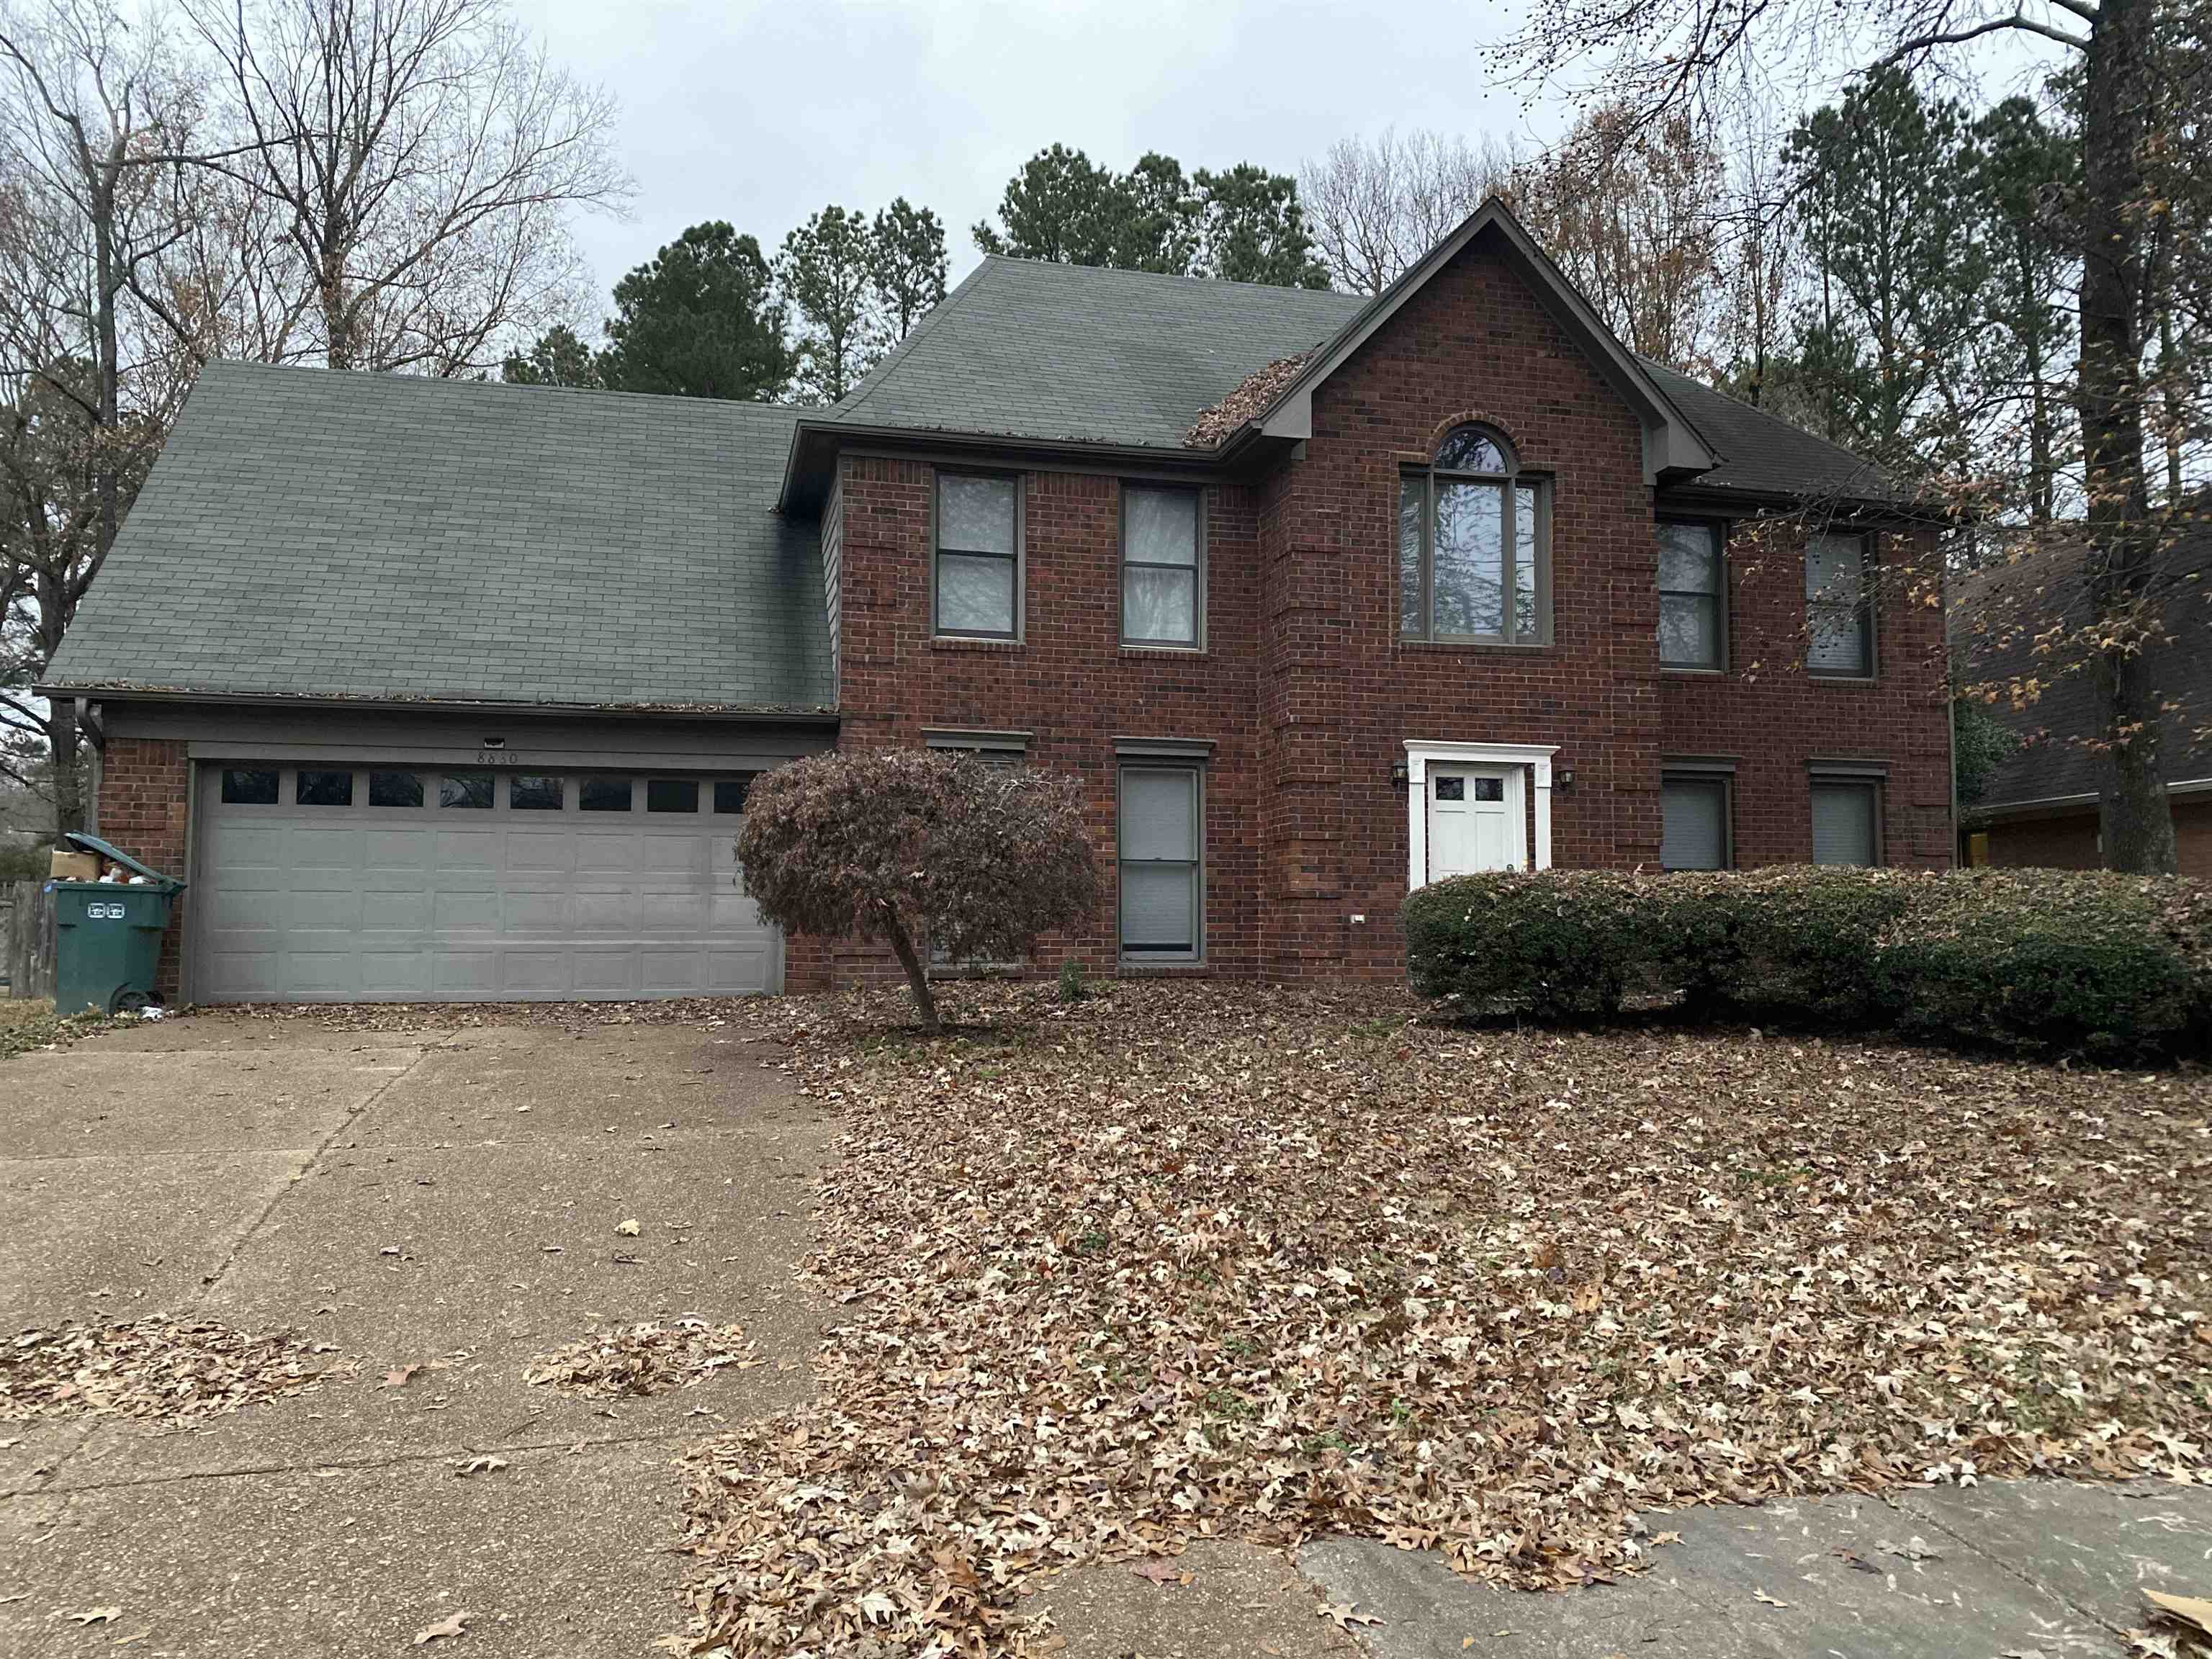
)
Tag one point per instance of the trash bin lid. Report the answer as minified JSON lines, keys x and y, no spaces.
{"x":93,"y":844}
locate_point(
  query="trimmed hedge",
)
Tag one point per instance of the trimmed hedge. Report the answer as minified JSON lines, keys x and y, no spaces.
{"x":2110,"y":964}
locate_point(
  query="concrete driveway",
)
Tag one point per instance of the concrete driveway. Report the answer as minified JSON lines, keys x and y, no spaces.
{"x":442,"y":1198}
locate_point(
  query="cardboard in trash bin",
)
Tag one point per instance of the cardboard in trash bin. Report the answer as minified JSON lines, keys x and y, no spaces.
{"x":75,"y":867}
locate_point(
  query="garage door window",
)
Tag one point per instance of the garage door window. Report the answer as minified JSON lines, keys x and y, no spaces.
{"x":318,"y":788}
{"x":468,"y":789}
{"x":730,"y":793}
{"x":534,"y":792}
{"x":243,"y":787}
{"x":671,"y":794}
{"x":395,"y":789}
{"x":603,"y":795}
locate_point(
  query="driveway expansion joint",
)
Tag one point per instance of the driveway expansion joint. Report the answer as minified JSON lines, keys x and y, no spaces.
{"x":2014,"y":1572}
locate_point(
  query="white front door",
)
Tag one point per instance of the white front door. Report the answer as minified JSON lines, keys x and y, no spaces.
{"x":1473,"y":822}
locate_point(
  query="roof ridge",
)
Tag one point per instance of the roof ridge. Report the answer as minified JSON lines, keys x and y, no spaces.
{"x":1162,"y":276}
{"x":402,"y":377}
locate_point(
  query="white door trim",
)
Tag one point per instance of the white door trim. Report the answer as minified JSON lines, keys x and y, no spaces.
{"x":1421,"y":753}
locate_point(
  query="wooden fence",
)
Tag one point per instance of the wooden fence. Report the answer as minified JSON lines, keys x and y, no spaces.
{"x":27,"y":938}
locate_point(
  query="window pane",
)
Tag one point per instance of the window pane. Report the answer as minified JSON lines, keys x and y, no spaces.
{"x":1159,"y":812}
{"x":1689,"y":630}
{"x":1160,"y":605}
{"x":1688,"y":559}
{"x":1694,"y":835}
{"x":1410,"y":497}
{"x":249,"y":787}
{"x":976,"y":514}
{"x":603,"y":794}
{"x":395,"y":789}
{"x":534,"y":792}
{"x":1162,"y":525}
{"x":1836,"y":640}
{"x":1835,"y":569}
{"x":1451,"y":787}
{"x":730,"y":793}
{"x":467,"y":789}
{"x":671,"y":794}
{"x":975,"y":596}
{"x":1490,"y":789}
{"x":1469,"y":449}
{"x":1844,"y":823}
{"x":319,"y":788}
{"x":1467,"y":584}
{"x":1160,"y":908}
{"x":1524,"y":563}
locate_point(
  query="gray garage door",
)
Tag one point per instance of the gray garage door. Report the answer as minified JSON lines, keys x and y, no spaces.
{"x":331,"y":883}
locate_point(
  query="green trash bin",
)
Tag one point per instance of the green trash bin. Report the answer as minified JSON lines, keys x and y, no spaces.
{"x":107,"y":934}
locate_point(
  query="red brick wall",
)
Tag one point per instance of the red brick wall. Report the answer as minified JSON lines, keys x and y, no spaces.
{"x":2069,"y":841}
{"x":1307,"y":690}
{"x":1774,"y":719}
{"x":145,"y":805}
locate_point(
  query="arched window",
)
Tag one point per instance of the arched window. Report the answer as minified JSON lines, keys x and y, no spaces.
{"x":1474,"y":544}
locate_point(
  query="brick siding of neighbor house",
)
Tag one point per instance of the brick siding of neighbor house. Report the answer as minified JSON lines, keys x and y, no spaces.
{"x":2068,"y":840}
{"x":1308,"y":694}
{"x":145,"y":804}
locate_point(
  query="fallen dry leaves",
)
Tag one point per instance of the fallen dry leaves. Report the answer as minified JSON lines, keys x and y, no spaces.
{"x":645,"y":1359}
{"x":157,"y":1367}
{"x":1185,"y":1259}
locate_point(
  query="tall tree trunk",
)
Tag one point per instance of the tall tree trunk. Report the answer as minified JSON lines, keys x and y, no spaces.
{"x":61,"y":740}
{"x":2133,"y":816}
{"x":917,"y":976}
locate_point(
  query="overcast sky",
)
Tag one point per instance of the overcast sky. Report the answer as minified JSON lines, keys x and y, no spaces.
{"x":760,"y":113}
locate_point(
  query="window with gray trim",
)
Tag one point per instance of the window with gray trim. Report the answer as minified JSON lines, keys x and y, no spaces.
{"x":1694,"y":821}
{"x":1692,"y":609}
{"x":1162,"y":566}
{"x":977,"y":584}
{"x":1474,"y":545}
{"x":1161,"y":836}
{"x":1838,"y":606}
{"x":1846,"y":821}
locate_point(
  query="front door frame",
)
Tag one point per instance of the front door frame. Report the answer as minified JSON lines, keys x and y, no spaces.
{"x":1530,"y":760}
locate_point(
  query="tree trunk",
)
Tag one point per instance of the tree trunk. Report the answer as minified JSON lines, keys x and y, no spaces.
{"x":2133,"y":816}
{"x":61,"y":754}
{"x":917,"y":977}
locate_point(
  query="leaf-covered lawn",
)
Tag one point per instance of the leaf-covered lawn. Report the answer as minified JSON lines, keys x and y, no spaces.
{"x":1187,"y":1260}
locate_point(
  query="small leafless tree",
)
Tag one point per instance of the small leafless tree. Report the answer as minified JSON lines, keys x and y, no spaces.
{"x":422,"y":157}
{"x":97,"y":133}
{"x":1376,"y":205}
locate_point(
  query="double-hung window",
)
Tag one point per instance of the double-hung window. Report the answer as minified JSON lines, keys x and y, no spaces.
{"x":1694,"y":827}
{"x":1846,"y":821}
{"x":1839,"y":608}
{"x":1474,"y":545}
{"x":1163,"y":808}
{"x":978,"y":578}
{"x":1163,"y":579}
{"x":1693,"y":614}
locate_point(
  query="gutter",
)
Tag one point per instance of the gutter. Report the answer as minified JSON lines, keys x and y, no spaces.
{"x":2053,"y":806}
{"x":722,"y":713}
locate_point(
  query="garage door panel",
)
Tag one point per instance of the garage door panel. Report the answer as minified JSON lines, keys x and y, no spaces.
{"x":549,"y":850}
{"x":401,"y":973}
{"x":399,"y":903}
{"x":534,"y":973}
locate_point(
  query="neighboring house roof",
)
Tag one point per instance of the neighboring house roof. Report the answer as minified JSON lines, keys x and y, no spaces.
{"x":313,"y":533}
{"x":1998,"y":614}
{"x":1044,"y":353}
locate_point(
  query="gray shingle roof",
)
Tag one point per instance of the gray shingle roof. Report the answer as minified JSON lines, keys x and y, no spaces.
{"x":1997,"y":617}
{"x":307,"y":532}
{"x":1031,"y":349}
{"x":1765,"y":455}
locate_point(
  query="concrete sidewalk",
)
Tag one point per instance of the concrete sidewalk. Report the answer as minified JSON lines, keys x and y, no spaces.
{"x":447,"y":1199}
{"x":2013,"y":1568}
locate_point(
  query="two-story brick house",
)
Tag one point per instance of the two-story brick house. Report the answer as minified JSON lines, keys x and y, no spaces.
{"x":1323,"y":597}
